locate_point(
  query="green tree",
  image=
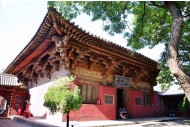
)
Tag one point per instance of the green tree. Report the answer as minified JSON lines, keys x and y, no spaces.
{"x":184,"y":105}
{"x":63,"y":96}
{"x":154,"y":22}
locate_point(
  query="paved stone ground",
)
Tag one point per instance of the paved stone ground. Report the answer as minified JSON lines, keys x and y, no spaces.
{"x":11,"y":123}
{"x":145,"y":123}
{"x":175,"y":123}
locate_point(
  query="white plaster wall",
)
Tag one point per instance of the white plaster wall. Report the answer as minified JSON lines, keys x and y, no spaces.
{"x":37,"y":99}
{"x":37,"y":93}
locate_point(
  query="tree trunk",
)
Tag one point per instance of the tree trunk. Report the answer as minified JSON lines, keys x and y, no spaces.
{"x":175,"y":36}
{"x":67,"y":118}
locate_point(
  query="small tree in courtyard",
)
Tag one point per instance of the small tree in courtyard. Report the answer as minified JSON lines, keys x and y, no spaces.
{"x":63,"y":96}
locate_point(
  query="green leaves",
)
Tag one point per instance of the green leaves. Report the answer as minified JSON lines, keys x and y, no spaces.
{"x":68,"y":9}
{"x":151,"y":24}
{"x":63,"y":96}
{"x":165,"y":77}
{"x":184,"y":105}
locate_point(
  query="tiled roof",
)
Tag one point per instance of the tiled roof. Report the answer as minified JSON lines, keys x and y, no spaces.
{"x":43,"y":39}
{"x":8,"y":80}
{"x":173,"y":90}
{"x":91,"y":39}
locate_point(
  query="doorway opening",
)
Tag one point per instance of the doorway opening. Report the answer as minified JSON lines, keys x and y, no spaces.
{"x":120,"y":103}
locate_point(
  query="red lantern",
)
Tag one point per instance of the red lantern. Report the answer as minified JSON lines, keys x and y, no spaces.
{"x":20,"y":111}
{"x":98,"y":101}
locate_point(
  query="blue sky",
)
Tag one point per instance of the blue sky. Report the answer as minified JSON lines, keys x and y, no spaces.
{"x":21,"y":19}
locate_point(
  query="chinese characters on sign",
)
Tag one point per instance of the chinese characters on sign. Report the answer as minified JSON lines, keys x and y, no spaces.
{"x":122,"y":81}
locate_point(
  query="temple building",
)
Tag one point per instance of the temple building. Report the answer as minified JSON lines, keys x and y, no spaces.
{"x":109,"y":76}
{"x":171,"y":98}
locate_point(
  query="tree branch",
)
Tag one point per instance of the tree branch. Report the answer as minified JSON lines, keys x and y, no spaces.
{"x":187,"y":15}
{"x":143,"y":15}
{"x":128,"y":26}
{"x":125,"y":15}
{"x":124,"y":9}
{"x":175,"y":36}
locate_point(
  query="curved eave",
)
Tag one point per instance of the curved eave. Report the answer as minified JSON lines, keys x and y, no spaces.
{"x":39,"y":43}
{"x":42,"y":41}
{"x":89,"y":39}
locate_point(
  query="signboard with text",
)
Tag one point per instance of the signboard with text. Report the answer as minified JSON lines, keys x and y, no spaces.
{"x":122,"y":81}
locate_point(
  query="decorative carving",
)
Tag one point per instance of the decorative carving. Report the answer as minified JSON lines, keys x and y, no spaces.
{"x":34,"y":76}
{"x":79,"y":54}
{"x":55,"y":64}
{"x":142,"y":73}
{"x":40,"y":73}
{"x":92,"y":63}
{"x":28,"y":70}
{"x":47,"y":70}
{"x":125,"y":71}
{"x":61,"y":44}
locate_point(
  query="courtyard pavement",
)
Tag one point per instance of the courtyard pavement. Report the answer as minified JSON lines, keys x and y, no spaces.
{"x":12,"y":123}
{"x":19,"y":121}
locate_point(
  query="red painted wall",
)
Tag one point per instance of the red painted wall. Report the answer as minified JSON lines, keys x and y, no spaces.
{"x":94,"y":111}
{"x":152,"y":110}
{"x":108,"y":111}
{"x":18,"y":101}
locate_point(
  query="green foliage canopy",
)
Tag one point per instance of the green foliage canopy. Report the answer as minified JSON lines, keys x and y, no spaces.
{"x":63,"y":96}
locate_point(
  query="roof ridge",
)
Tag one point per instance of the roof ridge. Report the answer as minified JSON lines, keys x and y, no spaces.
{"x":50,"y":9}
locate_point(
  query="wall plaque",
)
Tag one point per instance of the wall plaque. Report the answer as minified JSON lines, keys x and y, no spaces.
{"x":138,"y":101}
{"x":108,"y":99}
{"x":122,"y":81}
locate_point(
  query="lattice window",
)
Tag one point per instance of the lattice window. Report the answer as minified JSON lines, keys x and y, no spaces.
{"x":146,"y":98}
{"x":89,"y":93}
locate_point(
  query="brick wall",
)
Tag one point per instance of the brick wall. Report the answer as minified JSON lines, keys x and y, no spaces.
{"x":18,"y":101}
